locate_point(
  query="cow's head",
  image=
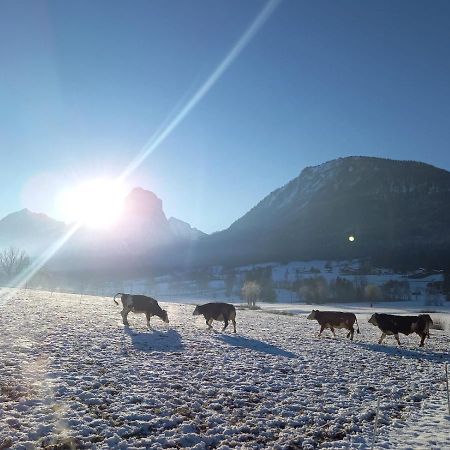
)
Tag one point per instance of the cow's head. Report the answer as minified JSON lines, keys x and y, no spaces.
{"x":374,"y":319}
{"x":427,"y":318}
{"x":164,"y":316}
{"x":312,"y":316}
{"x":196,"y":311}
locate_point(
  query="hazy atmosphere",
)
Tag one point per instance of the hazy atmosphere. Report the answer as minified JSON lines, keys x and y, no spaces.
{"x":85,"y":85}
{"x":224,"y":224}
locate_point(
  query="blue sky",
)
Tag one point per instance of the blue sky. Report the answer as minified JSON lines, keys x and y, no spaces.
{"x":84,"y":85}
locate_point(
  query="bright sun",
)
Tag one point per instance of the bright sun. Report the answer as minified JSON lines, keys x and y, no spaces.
{"x":96,"y":203}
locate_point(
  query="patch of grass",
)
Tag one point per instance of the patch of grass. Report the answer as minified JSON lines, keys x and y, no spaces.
{"x":11,"y":391}
{"x":252,"y":308}
{"x":278,"y":312}
{"x":438,"y":324}
{"x":6,"y":443}
{"x":62,"y":443}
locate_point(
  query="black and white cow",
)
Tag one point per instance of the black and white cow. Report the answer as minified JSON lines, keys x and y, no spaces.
{"x":390,"y":324}
{"x":140,"y":304}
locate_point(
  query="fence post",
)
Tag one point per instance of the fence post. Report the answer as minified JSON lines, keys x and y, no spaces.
{"x":375,"y":426}
{"x":446,"y":382}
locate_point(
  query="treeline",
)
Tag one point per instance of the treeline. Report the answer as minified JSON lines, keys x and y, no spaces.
{"x":13,"y":261}
{"x":319,"y":290}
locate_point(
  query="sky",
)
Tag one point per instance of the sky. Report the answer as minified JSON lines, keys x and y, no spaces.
{"x":85,"y":85}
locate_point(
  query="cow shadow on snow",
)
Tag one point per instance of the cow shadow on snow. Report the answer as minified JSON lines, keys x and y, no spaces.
{"x":155,"y":341}
{"x":406,"y":352}
{"x":254,"y":344}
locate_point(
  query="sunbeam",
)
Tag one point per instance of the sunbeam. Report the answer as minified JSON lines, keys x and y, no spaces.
{"x":21,"y":280}
{"x":161,"y":134}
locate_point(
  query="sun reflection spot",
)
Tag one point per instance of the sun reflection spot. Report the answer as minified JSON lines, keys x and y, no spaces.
{"x":96,"y":203}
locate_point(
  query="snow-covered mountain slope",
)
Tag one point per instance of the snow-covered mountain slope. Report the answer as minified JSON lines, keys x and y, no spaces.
{"x":397,"y":212}
{"x":141,"y":228}
{"x":71,"y":374}
{"x":184,"y":231}
{"x":29,"y":230}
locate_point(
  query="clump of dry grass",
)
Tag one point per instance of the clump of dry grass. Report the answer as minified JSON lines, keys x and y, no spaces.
{"x":11,"y":391}
{"x":6,"y":443}
{"x":439,"y":324}
{"x":61,"y":443}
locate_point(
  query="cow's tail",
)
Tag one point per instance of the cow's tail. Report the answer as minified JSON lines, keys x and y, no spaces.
{"x":357,"y":324}
{"x":119,"y":293}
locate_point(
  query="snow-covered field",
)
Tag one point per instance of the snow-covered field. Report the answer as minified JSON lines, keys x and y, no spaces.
{"x":71,"y":376}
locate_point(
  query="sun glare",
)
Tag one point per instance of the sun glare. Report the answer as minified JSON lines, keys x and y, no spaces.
{"x":96,"y":204}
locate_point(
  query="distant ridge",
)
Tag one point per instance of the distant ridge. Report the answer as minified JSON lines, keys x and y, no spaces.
{"x":396,"y":210}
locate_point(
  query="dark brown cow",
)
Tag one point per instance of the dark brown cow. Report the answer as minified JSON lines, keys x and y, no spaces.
{"x":390,"y":324}
{"x":335,"y":319}
{"x":140,"y":304}
{"x":222,"y":312}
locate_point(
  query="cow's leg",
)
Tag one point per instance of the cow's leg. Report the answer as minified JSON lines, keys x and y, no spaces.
{"x":148,"y":316}
{"x":225,"y":325}
{"x":332,"y":330}
{"x":422,"y":340}
{"x":351,"y":333}
{"x":383,"y":335}
{"x":322,"y":327}
{"x":234,"y":325}
{"x":125,"y":312}
{"x":397,"y":338}
{"x":209,"y":323}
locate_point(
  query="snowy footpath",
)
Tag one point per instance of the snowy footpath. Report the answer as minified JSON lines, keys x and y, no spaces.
{"x":72,"y":376}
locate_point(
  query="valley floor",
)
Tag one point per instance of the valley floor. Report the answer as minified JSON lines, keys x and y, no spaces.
{"x":72,"y":375}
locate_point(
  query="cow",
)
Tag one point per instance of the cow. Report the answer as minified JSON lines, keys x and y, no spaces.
{"x":222,"y":312}
{"x":335,"y":319}
{"x":390,"y":324}
{"x":140,"y":304}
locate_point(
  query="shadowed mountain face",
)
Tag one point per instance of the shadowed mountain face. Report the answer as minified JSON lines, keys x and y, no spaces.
{"x":29,"y":230}
{"x":397,"y":211}
{"x":394,"y":210}
{"x":143,"y":237}
{"x":139,"y":236}
{"x":143,"y":223}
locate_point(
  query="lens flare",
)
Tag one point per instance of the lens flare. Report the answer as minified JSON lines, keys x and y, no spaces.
{"x":164,"y":132}
{"x":96,"y":203}
{"x":90,"y":214}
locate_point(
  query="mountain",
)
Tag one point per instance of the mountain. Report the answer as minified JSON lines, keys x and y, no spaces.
{"x":143,"y":223}
{"x":395,"y":210}
{"x":142,"y":232}
{"x":183,"y":231}
{"x":29,"y":230}
{"x":141,"y":239}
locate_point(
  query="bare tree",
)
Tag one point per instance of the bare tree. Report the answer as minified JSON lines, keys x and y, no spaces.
{"x":251,"y":291}
{"x":13,"y":260}
{"x":373,"y":292}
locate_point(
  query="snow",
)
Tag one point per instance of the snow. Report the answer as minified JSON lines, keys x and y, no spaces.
{"x":71,"y":373}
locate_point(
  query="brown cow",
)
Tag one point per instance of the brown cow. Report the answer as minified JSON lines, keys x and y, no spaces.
{"x":223,"y":312}
{"x":335,"y":319}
